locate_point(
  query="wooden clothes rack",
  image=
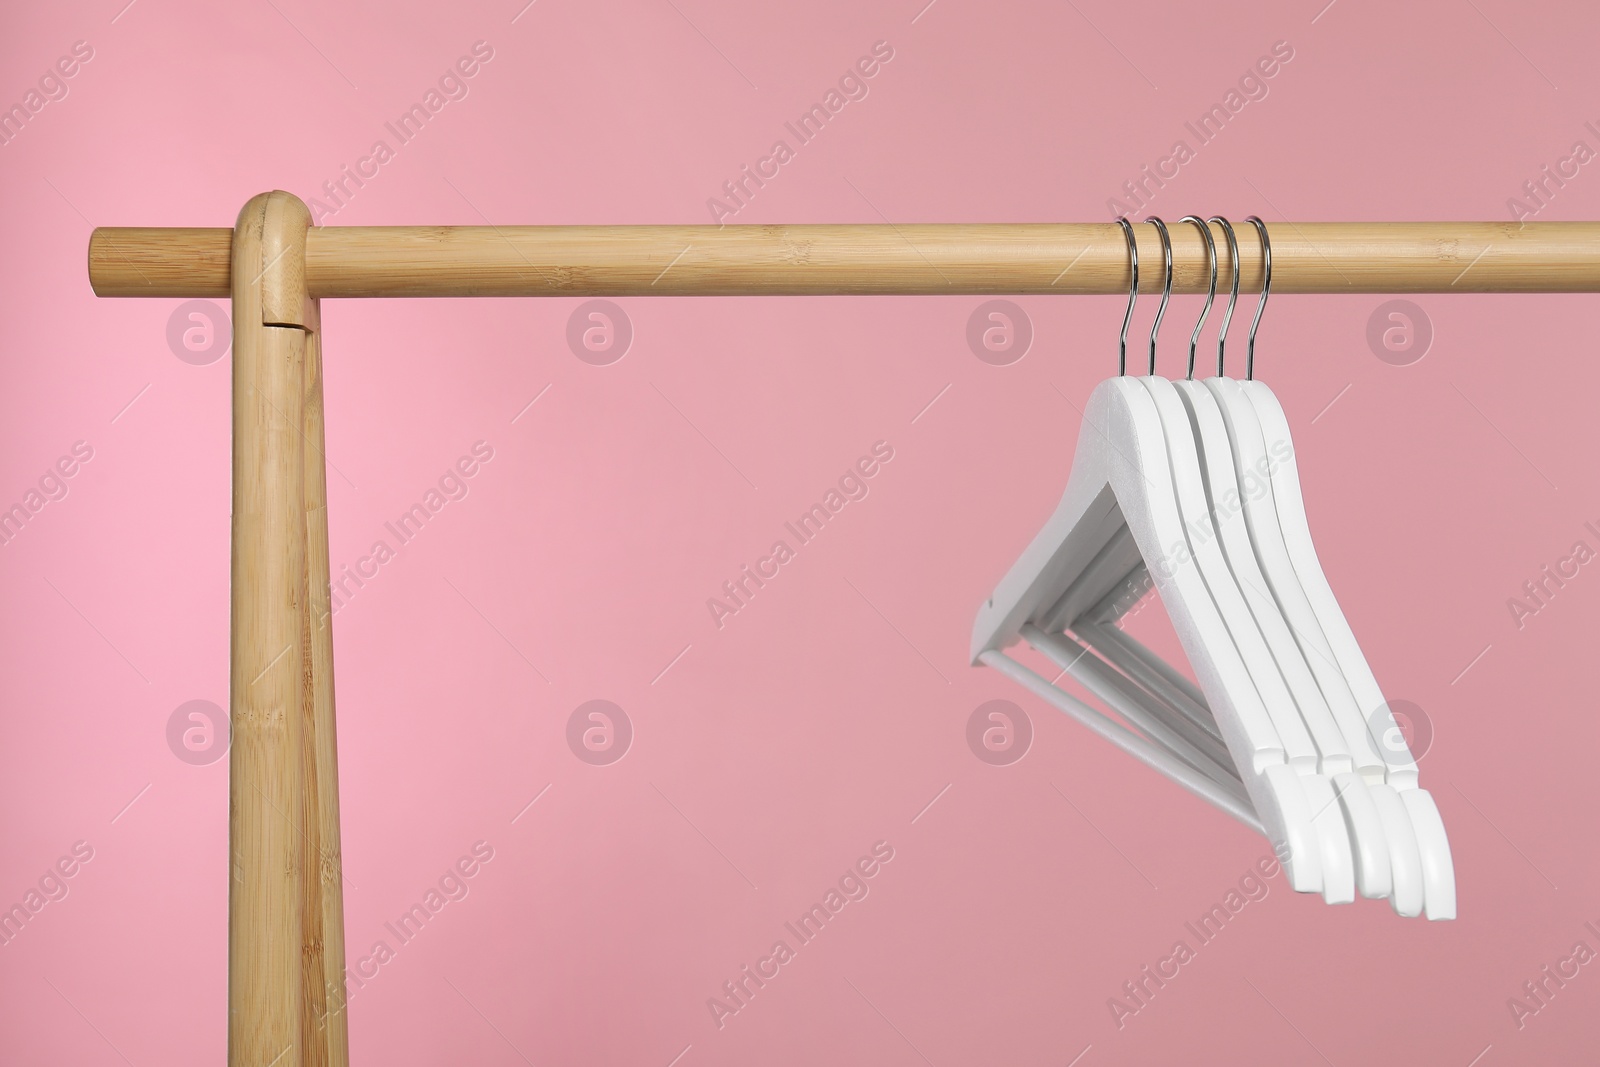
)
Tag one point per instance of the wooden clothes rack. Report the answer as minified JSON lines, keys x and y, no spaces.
{"x":286,"y":964}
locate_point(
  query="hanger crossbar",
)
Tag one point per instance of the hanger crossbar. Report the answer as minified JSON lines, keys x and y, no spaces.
{"x":1231,"y":801}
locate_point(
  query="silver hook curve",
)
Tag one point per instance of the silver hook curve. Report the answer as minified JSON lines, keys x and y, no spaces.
{"x":1166,"y":289}
{"x":1211,"y":293}
{"x":1133,"y":292}
{"x":1233,"y":295}
{"x":1266,"y":290}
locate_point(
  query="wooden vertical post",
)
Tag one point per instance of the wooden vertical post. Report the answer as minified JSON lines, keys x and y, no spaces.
{"x":269,"y":659}
{"x":325,"y":1029}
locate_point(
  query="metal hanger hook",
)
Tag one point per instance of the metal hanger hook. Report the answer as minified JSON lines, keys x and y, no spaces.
{"x":1166,"y":289}
{"x":1133,"y":292}
{"x":1211,"y":293}
{"x":1233,"y":295}
{"x":1266,"y":290}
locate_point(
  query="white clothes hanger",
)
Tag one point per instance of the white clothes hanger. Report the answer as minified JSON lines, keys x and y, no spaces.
{"x":1276,"y":520}
{"x":1203,"y":471}
{"x":1258,"y":738}
{"x":1121,"y":480}
{"x":1310,"y":742}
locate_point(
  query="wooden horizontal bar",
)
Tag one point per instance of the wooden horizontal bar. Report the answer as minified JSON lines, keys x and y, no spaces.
{"x":817,"y":260}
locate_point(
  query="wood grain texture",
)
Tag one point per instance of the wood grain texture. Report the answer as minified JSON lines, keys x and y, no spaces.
{"x":944,"y":258}
{"x":267,"y":643}
{"x":325,"y":1027}
{"x":179,"y":261}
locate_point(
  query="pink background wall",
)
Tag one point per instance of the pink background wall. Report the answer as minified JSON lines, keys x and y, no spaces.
{"x":830,"y":714}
